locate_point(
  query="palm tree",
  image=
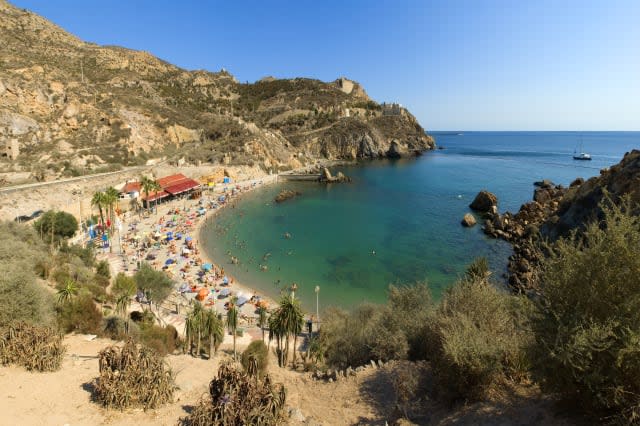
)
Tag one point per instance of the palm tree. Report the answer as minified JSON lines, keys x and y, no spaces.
{"x":278,"y":332}
{"x":213,"y":330}
{"x":262,"y":319}
{"x":66,"y":294}
{"x":111,"y":196}
{"x":193,"y":328}
{"x":232,"y":322}
{"x":98,"y":200}
{"x":292,"y":321}
{"x":147,"y":186}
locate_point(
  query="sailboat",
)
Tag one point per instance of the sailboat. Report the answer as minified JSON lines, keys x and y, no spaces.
{"x":581,"y":155}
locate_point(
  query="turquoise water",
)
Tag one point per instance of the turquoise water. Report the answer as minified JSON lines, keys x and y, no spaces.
{"x":407,"y":211}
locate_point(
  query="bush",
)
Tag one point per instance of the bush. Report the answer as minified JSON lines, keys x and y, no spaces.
{"x":237,"y":398}
{"x":86,"y":254}
{"x":33,"y":347}
{"x":21,"y":297}
{"x":58,"y":225}
{"x":133,"y":376}
{"x":163,"y":340}
{"x":103,"y":269}
{"x":475,"y":339}
{"x":256,"y":356}
{"x":80,"y":315}
{"x":587,"y":329}
{"x":355,"y":338}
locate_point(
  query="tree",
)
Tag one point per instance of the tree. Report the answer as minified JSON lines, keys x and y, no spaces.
{"x":156,"y":285}
{"x":111,"y":197}
{"x":56,"y":225}
{"x":124,"y":288}
{"x":213,"y":330}
{"x":232,"y":322}
{"x":262,"y":319}
{"x":99,"y":200}
{"x":286,"y":321}
{"x":147,"y":186}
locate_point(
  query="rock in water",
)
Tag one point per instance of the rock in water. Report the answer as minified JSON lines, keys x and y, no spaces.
{"x":468,"y":220}
{"x":286,"y":194}
{"x":484,"y":201}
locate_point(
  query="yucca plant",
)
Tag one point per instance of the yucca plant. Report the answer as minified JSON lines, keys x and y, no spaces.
{"x":239,"y":398}
{"x":33,"y":347}
{"x":133,"y":376}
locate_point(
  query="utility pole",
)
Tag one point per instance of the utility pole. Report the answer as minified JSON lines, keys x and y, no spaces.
{"x":317,"y":306}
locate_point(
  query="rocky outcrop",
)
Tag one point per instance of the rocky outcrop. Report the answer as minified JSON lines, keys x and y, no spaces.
{"x":581,"y":203}
{"x":124,"y":107}
{"x":326,"y":177}
{"x":484,"y":202}
{"x":556,"y":211}
{"x":468,"y":220}
{"x":286,"y":194}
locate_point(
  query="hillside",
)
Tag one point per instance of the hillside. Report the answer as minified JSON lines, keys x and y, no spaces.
{"x":76,"y":108}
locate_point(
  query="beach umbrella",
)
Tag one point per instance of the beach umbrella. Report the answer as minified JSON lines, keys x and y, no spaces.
{"x":169,"y":262}
{"x":207,"y":266}
{"x":225,"y":280}
{"x":241,"y":300}
{"x":188,"y":239}
{"x":225,"y":292}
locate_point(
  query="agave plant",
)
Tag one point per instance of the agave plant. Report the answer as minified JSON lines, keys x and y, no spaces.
{"x":66,"y":293}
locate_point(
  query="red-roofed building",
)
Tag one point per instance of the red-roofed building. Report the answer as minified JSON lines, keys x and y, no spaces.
{"x":131,"y":187}
{"x":172,"y":186}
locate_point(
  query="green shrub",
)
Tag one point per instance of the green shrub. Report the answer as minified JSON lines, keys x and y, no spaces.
{"x":475,"y":340}
{"x":55,"y":226}
{"x":163,"y":340}
{"x":587,"y":329}
{"x":33,"y":347}
{"x":103,"y":269}
{"x":80,"y":315}
{"x":354,"y":338}
{"x":256,"y":356}
{"x":21,"y":297}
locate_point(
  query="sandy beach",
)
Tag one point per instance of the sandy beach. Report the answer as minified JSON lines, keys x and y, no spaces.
{"x":169,"y":239}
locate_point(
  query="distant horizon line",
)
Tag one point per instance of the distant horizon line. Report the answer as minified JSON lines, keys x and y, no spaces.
{"x":449,"y":131}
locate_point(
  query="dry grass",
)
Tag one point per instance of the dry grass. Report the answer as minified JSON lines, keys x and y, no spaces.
{"x":33,"y":347}
{"x":133,"y":376}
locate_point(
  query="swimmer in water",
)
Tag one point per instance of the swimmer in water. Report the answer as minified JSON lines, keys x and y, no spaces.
{"x":373,"y":252}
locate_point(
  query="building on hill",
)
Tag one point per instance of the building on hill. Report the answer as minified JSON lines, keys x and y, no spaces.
{"x":392,"y":109}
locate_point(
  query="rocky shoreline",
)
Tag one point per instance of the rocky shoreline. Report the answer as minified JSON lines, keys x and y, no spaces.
{"x":555,"y":212}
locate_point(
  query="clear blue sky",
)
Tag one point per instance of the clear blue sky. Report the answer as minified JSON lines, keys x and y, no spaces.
{"x":469,"y":65}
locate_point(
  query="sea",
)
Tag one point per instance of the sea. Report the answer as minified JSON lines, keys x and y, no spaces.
{"x":398,"y":221}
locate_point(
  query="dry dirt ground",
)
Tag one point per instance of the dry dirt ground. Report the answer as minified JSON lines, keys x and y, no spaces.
{"x":64,"y":397}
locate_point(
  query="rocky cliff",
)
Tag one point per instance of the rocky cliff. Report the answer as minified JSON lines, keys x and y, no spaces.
{"x":556,"y":211}
{"x":75,"y":107}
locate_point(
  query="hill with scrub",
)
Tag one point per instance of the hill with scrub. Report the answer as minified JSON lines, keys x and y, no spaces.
{"x":76,"y":108}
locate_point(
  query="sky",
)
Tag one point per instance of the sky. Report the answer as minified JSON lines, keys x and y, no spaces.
{"x":456,"y":64}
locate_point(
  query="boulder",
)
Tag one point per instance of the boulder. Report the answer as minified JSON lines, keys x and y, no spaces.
{"x":484,"y":201}
{"x":468,"y":220}
{"x":577,"y":182}
{"x":541,"y":195}
{"x":286,"y":194}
